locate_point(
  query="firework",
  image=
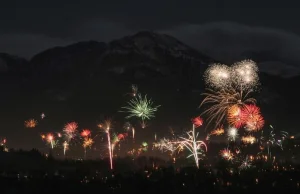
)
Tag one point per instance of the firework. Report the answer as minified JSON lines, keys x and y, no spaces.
{"x":234,"y":116}
{"x":134,"y":90}
{"x":226,"y":154}
{"x":245,"y":74}
{"x":66,"y":147}
{"x":221,"y":101}
{"x":43,"y":116}
{"x":127,"y":126}
{"x":248,"y":139}
{"x":245,"y":164}
{"x":50,"y":140}
{"x":143,"y":124}
{"x":70,"y":130}
{"x":272,"y":139}
{"x":85,"y":133}
{"x":87,"y":142}
{"x":218,"y":131}
{"x":252,"y":117}
{"x":3,"y":142}
{"x":242,"y":75}
{"x":140,"y":107}
{"x":218,"y":76}
{"x":232,"y":134}
{"x":31,"y":123}
{"x":106,"y":126}
{"x":198,"y":121}
{"x":229,"y":86}
{"x":193,"y":145}
{"x":165,"y":145}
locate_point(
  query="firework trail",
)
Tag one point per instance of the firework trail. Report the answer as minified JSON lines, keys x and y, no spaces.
{"x":66,"y":147}
{"x":87,"y":142}
{"x":194,"y":146}
{"x":106,"y":126}
{"x":50,"y":140}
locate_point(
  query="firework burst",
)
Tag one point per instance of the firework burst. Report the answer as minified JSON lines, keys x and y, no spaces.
{"x":226,"y":154}
{"x":252,"y":117}
{"x":221,"y":102}
{"x":70,"y":130}
{"x":51,"y":140}
{"x":234,"y":116}
{"x":229,"y":86}
{"x":85,"y":133}
{"x":248,"y":139}
{"x":219,"y":131}
{"x":218,"y":76}
{"x":140,"y":107}
{"x":232,"y":134}
{"x":31,"y":123}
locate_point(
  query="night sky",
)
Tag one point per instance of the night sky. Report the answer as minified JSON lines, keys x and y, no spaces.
{"x":223,"y":30}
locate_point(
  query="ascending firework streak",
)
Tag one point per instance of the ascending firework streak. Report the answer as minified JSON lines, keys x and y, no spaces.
{"x":50,"y":139}
{"x":66,"y":147}
{"x":106,"y":127}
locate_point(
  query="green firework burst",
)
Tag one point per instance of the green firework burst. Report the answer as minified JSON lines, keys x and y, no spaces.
{"x":140,"y":107}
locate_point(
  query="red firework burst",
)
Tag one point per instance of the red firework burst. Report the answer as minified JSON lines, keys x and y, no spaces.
{"x":85,"y":133}
{"x":198,"y":121}
{"x":235,"y":116}
{"x":253,"y":118}
{"x":71,"y":127}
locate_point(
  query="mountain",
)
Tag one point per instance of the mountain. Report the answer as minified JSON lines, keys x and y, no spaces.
{"x":143,"y":55}
{"x":88,"y":80}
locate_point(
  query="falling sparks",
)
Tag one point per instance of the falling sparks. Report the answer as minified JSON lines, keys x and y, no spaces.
{"x":31,"y":123}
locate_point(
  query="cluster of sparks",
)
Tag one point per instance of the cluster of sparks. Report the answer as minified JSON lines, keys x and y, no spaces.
{"x":230,"y":112}
{"x":229,"y":103}
{"x":196,"y":148}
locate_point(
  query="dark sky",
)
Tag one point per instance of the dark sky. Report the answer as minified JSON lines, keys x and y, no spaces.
{"x":221,"y":29}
